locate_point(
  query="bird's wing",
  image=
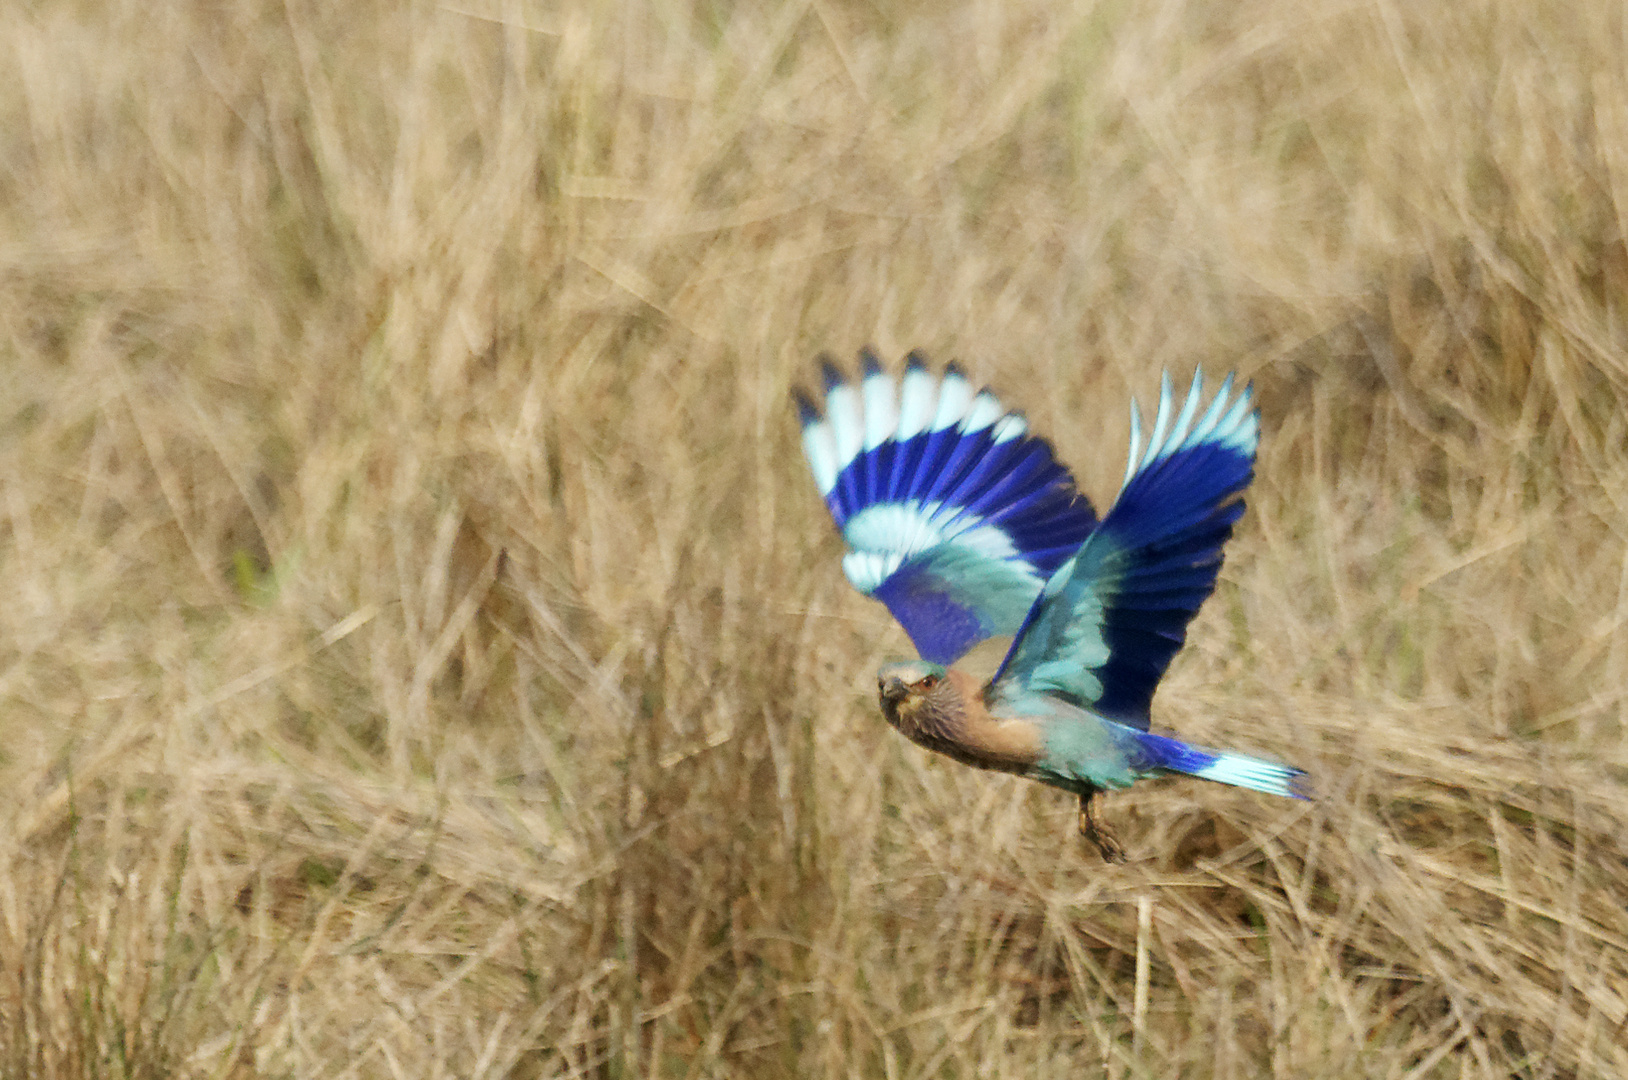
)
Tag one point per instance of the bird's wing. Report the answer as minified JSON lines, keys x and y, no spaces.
{"x":954,"y":515}
{"x":1104,"y":628}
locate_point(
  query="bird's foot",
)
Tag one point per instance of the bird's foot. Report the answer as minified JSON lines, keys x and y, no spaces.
{"x":1099,"y":833}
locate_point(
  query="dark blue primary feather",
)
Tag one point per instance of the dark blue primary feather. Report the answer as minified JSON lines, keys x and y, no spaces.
{"x":1104,"y":629}
{"x":954,"y":515}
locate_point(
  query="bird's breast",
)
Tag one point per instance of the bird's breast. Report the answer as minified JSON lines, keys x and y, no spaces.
{"x":961,"y":727}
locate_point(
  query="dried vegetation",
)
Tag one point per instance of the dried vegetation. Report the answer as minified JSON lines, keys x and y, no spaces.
{"x":423,"y":653}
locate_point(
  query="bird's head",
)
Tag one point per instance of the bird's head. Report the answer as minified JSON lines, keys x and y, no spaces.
{"x":912,"y":693}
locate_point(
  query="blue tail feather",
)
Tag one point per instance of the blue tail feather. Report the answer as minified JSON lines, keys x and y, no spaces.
{"x":1165,"y":754}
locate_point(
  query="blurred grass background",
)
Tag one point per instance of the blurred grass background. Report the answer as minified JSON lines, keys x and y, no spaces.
{"x":424,"y":654}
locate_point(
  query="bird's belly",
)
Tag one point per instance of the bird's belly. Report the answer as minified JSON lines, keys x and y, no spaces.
{"x":1083,"y":752}
{"x":1003,"y":746}
{"x":978,"y":759}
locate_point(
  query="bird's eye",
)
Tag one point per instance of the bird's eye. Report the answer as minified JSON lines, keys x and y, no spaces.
{"x":928,"y":682}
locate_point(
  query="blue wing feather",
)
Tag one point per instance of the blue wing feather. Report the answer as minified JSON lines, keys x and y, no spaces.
{"x":953,"y":514}
{"x":1108,"y":622}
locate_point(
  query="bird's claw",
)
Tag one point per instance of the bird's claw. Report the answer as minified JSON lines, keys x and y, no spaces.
{"x":1098,"y":833}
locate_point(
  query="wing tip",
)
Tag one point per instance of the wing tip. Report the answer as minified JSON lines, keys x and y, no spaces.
{"x":830,"y":374}
{"x":1229,"y":423}
{"x":807,"y":412}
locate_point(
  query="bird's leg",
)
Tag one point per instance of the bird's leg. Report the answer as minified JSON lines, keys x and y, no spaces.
{"x":1097,"y":832}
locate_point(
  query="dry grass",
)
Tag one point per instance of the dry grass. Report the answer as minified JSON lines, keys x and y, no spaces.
{"x":424,"y":655}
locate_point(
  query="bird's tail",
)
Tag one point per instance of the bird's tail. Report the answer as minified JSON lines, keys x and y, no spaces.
{"x":1171,"y":755}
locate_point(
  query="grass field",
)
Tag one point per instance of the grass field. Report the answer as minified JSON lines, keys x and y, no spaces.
{"x":423,"y":652}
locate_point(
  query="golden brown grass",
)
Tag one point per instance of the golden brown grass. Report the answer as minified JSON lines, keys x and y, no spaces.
{"x":424,"y":655}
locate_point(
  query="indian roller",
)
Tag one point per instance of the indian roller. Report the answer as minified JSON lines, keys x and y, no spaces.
{"x":967,"y":528}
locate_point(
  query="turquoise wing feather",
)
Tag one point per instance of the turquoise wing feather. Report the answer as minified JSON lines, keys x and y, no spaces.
{"x":1103,"y":630}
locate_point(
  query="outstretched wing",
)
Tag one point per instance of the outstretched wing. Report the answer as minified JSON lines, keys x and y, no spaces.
{"x":954,"y":515}
{"x":1107,"y":623}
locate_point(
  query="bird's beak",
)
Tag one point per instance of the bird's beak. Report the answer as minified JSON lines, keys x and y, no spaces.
{"x":892,"y":688}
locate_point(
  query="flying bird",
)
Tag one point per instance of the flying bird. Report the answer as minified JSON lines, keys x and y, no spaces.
{"x":967,"y":528}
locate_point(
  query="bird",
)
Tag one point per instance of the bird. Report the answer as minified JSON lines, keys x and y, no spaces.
{"x":964,"y":524}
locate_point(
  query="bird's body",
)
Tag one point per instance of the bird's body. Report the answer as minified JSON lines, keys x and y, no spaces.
{"x":967,"y":529}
